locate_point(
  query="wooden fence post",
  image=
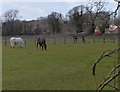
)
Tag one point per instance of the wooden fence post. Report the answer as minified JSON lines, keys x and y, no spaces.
{"x":113,"y":40}
{"x":83,"y":39}
{"x":65,"y":40}
{"x":73,"y":40}
{"x":5,"y":42}
{"x":103,"y":40}
{"x":93,"y":39}
{"x":25,"y":42}
{"x":34,"y":41}
{"x":54,"y":38}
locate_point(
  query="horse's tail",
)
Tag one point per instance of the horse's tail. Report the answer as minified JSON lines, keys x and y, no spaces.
{"x":44,"y":42}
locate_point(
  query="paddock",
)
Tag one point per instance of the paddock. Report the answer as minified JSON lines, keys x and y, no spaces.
{"x":61,"y":67}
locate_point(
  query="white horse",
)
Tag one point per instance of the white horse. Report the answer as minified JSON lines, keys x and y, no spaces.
{"x":16,"y":40}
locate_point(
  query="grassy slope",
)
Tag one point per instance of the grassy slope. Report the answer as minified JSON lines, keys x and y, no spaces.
{"x":62,"y":67}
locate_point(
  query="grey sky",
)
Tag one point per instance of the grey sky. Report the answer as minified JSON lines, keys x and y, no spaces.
{"x":33,"y":10}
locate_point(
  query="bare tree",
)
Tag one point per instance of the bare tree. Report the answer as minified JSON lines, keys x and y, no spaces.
{"x":94,"y":9}
{"x":76,"y":17}
{"x":117,"y":21}
{"x":12,"y":24}
{"x":118,"y":6}
{"x":11,"y":15}
{"x":55,"y":20}
{"x":43,"y":22}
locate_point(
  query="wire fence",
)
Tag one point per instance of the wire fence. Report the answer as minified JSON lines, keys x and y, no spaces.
{"x":64,"y":39}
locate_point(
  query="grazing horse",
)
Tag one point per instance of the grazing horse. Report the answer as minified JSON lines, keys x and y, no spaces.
{"x":16,"y":40}
{"x":42,"y":43}
{"x":75,"y":38}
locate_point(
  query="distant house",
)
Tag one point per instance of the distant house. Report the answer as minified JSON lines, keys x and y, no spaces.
{"x":97,"y":30}
{"x":97,"y":33}
{"x":112,"y":30}
{"x":107,"y":31}
{"x":117,"y":30}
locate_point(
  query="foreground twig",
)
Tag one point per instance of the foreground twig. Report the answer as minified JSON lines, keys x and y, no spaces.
{"x":115,"y":12}
{"x":116,"y":67}
{"x":113,"y":87}
{"x":105,"y":83}
{"x":105,"y":54}
{"x":109,"y":76}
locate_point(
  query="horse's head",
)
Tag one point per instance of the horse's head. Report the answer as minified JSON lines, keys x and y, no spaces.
{"x":22,"y":45}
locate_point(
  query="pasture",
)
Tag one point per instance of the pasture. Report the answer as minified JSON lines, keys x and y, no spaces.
{"x":61,"y":67}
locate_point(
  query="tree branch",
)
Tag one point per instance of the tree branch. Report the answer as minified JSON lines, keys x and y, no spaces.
{"x":109,"y":75}
{"x":105,"y":54}
{"x":106,"y":82}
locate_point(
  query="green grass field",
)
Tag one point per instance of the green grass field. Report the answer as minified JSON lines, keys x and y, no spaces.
{"x":61,"y":67}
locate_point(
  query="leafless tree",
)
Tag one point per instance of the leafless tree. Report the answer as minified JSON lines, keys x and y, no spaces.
{"x":76,"y":17}
{"x":11,"y":15}
{"x":54,"y":20}
{"x":11,"y":24}
{"x":95,"y":8}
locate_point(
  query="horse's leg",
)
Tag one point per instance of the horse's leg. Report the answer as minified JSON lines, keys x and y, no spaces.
{"x":45,"y":47}
{"x":37,"y":46}
{"x":12,"y":44}
{"x":76,"y":40}
{"x":44,"y":43}
{"x":42,"y":46}
{"x":19,"y":45}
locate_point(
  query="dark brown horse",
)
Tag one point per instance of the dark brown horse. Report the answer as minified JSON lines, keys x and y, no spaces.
{"x":42,"y":43}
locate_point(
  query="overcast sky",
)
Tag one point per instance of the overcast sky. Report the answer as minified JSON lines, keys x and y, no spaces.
{"x":33,"y":9}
